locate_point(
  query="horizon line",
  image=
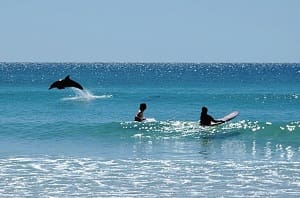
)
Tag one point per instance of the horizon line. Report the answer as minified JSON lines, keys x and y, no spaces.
{"x":146,"y":62}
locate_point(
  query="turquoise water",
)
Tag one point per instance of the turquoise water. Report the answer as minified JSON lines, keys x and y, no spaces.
{"x":84,"y":143}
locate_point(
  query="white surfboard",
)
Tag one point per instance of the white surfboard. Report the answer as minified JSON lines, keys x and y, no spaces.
{"x":226,"y":118}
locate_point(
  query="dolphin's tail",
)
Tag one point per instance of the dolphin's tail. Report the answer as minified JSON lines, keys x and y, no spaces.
{"x":72,"y":83}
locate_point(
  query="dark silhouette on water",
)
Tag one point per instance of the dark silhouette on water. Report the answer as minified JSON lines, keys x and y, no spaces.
{"x":140,"y":114}
{"x":67,"y":82}
{"x":205,"y":119}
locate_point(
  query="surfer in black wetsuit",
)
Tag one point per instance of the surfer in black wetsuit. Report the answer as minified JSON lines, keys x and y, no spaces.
{"x":140,"y":114}
{"x":205,"y":119}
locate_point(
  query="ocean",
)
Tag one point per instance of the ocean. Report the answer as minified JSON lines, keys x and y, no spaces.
{"x":73,"y":143}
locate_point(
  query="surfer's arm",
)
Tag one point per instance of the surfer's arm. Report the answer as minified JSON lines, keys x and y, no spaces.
{"x":222,"y":121}
{"x":139,"y":117}
{"x":216,"y":121}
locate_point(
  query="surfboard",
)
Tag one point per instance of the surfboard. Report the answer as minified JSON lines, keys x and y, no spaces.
{"x":226,"y":118}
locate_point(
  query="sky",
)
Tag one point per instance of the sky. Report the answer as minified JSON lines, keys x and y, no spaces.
{"x":150,"y":31}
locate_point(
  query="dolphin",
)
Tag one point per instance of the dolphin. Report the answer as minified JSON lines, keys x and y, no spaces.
{"x":67,"y":82}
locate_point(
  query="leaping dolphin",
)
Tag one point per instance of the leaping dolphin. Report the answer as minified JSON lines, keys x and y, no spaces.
{"x":67,"y":82}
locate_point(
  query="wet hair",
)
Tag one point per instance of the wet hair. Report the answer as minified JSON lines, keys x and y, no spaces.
{"x":143,"y":106}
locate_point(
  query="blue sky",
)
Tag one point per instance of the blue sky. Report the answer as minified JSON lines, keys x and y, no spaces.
{"x":149,"y":31}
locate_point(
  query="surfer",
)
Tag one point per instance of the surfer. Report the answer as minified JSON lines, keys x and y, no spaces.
{"x":205,"y":119}
{"x":140,"y":114}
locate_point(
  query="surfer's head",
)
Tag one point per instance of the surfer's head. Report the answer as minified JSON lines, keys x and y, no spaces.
{"x":143,"y":106}
{"x":204,"y":110}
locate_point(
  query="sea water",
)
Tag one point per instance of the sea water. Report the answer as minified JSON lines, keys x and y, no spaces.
{"x":73,"y":143}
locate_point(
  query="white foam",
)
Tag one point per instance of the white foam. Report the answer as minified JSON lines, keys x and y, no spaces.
{"x":150,"y":120}
{"x":85,"y":95}
{"x":96,"y":177}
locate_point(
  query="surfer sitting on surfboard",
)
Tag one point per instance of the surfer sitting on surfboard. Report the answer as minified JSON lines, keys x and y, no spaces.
{"x":205,"y":119}
{"x":140,"y":114}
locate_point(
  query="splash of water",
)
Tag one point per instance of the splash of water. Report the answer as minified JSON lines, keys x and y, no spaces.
{"x":85,"y":95}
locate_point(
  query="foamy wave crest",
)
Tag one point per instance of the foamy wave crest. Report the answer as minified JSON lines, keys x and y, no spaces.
{"x":184,"y":129}
{"x":85,"y":95}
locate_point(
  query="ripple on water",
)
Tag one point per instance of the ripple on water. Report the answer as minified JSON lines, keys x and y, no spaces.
{"x":81,"y":177}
